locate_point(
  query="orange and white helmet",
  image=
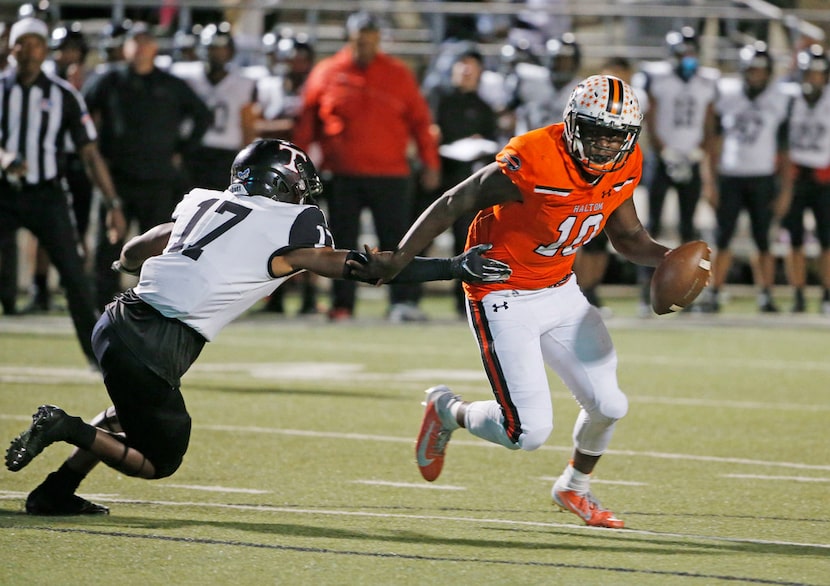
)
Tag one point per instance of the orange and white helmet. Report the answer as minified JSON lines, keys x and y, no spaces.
{"x":602,"y":108}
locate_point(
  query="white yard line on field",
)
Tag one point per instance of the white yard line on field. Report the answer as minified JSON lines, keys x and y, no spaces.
{"x":334,"y":435}
{"x":483,"y":444}
{"x":417,"y":485}
{"x":784,"y":478}
{"x":622,"y":533}
{"x":223,"y":489}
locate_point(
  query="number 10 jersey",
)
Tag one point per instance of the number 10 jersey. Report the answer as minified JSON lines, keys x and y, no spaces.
{"x":559,"y":212}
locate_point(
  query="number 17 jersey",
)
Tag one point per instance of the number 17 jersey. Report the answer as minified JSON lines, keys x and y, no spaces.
{"x":559,"y":212}
{"x":217,"y":262}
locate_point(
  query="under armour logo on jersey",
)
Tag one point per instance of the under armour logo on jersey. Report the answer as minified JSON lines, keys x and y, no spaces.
{"x":512,"y":161}
{"x":497,"y":306}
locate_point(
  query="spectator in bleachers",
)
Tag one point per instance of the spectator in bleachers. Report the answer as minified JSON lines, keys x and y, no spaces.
{"x":364,"y":107}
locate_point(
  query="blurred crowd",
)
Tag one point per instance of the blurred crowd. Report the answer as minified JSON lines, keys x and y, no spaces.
{"x":751,"y":139}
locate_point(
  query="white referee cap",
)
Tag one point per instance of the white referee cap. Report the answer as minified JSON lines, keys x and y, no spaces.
{"x":28,"y":26}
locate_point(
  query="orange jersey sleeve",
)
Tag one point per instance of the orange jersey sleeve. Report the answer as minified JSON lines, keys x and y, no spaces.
{"x":539,"y":236}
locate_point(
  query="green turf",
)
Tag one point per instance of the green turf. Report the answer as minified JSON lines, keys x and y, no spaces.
{"x":301,"y":467}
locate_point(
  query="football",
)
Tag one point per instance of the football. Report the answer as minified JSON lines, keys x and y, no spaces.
{"x":680,"y":277}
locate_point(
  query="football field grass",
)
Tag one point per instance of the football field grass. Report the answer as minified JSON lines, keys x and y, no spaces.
{"x":301,"y":464}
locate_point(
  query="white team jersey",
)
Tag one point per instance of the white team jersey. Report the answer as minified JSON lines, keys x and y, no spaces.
{"x":679,"y":106}
{"x":749,"y":127}
{"x":217,"y":262}
{"x":541,"y":103}
{"x":225,"y":101}
{"x":492,"y":88}
{"x":809,"y":133}
{"x":276,"y":101}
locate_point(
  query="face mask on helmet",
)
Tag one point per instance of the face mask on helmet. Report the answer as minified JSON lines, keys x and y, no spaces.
{"x":602,"y":123}
{"x":276,"y":169}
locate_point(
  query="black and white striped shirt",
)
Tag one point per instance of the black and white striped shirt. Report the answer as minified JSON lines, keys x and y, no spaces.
{"x":36,"y":120}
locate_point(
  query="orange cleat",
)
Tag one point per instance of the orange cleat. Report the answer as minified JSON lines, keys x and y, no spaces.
{"x":436,"y":428}
{"x":587,"y":507}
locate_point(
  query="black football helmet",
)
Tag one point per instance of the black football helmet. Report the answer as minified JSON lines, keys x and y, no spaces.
{"x":69,"y":35}
{"x":813,"y":71}
{"x":217,"y":35}
{"x":564,"y":58}
{"x":682,"y":42}
{"x":276,"y":169}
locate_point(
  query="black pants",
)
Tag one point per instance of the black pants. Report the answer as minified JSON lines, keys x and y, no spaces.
{"x":390,"y":201}
{"x":809,"y":193}
{"x":688,"y":194}
{"x":44,"y":211}
{"x":151,"y":411}
{"x":755,"y":195}
{"x":149,"y":203}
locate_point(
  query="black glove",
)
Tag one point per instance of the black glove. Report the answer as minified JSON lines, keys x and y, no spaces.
{"x":471,"y":267}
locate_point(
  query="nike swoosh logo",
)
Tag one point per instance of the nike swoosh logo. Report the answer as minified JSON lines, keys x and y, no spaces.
{"x":422,"y":449}
{"x":584,"y":515}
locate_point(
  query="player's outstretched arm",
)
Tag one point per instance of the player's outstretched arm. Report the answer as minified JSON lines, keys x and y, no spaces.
{"x":471,"y":266}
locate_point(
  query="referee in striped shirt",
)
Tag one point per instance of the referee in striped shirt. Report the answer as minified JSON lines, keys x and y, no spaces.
{"x":38,"y":111}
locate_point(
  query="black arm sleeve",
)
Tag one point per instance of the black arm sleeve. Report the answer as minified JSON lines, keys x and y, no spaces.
{"x":419,"y":270}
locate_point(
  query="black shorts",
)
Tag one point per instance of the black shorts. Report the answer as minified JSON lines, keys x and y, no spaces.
{"x":753,"y":194}
{"x":809,"y":194}
{"x":150,"y":409}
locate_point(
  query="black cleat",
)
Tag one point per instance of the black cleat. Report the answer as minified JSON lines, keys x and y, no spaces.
{"x":40,"y":502}
{"x":49,"y":425}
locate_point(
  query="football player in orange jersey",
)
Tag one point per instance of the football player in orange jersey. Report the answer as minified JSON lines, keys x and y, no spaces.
{"x":549,"y":192}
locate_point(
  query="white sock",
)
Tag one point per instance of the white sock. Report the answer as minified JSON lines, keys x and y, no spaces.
{"x":573,"y":479}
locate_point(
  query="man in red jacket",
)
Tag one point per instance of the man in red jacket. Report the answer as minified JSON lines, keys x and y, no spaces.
{"x":363,"y":107}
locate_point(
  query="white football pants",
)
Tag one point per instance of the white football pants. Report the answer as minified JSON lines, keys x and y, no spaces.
{"x":519,"y":332}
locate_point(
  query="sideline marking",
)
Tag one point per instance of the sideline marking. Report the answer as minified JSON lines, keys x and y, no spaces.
{"x":483,"y":444}
{"x":216,"y":488}
{"x":787,"y":478}
{"x":600,"y":481}
{"x":5,"y":495}
{"x":408,"y":485}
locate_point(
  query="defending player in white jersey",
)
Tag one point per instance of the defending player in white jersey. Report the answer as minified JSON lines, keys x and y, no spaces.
{"x":223,"y":252}
{"x":750,"y":155}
